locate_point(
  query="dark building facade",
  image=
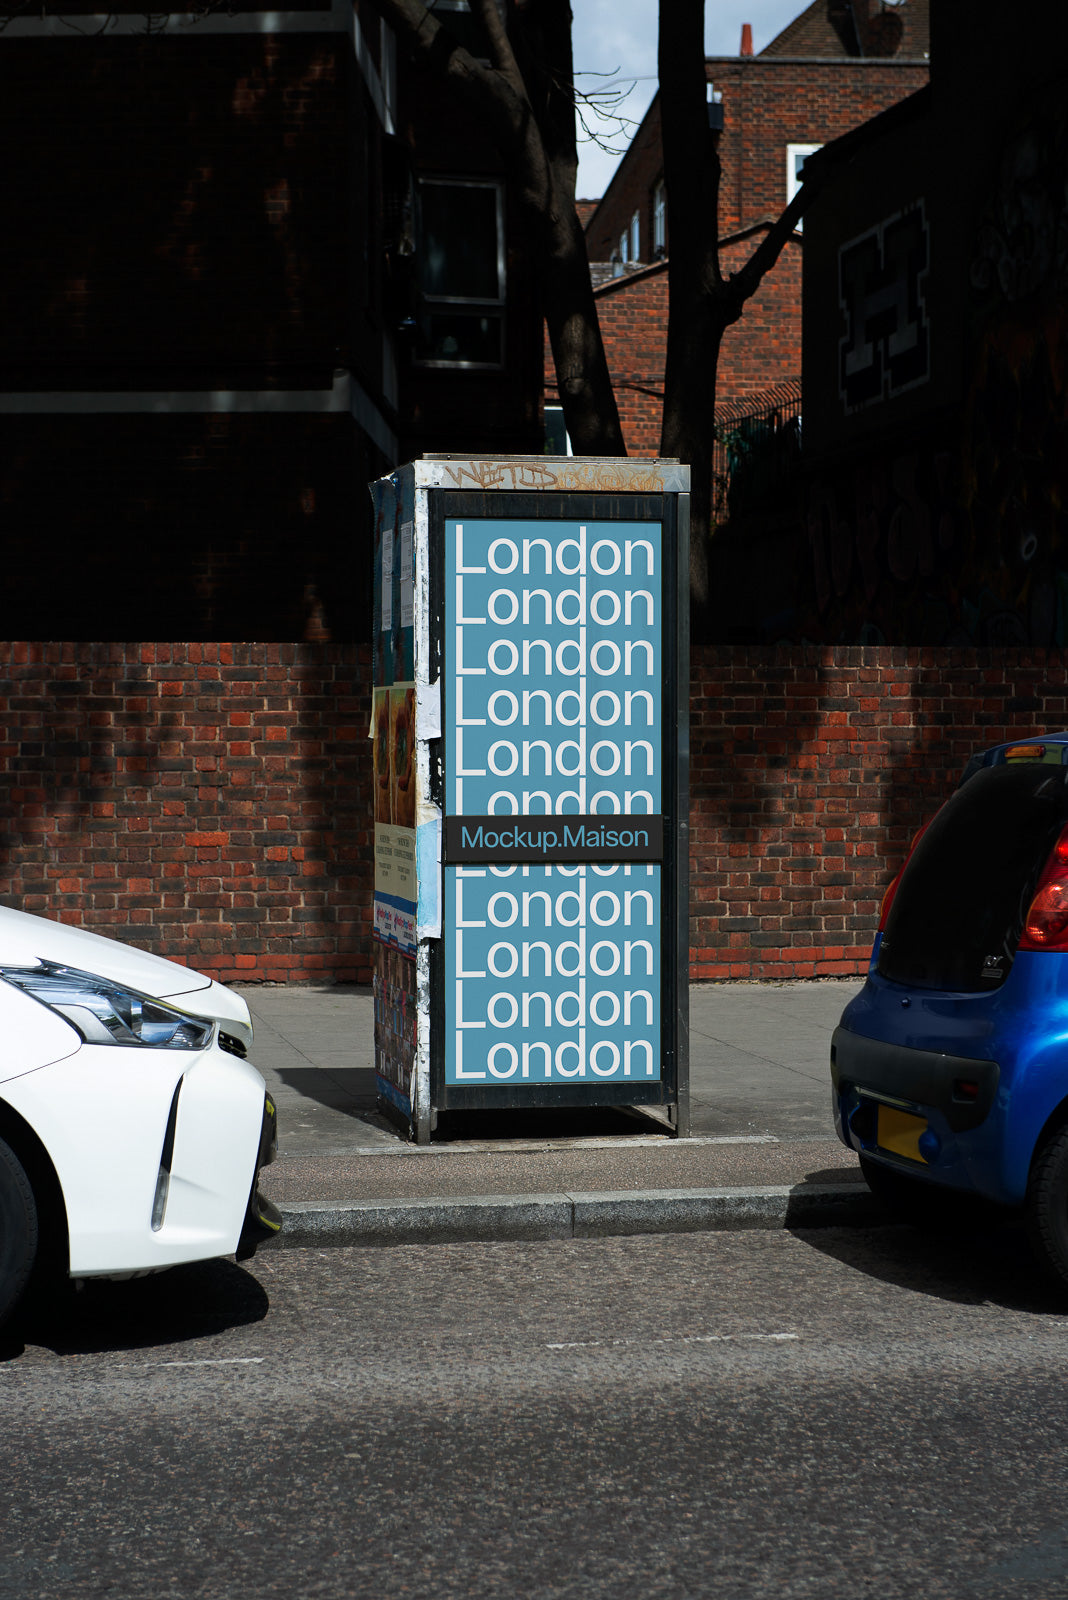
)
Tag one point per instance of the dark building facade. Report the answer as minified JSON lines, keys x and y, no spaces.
{"x":233,"y":294}
{"x":936,"y":354}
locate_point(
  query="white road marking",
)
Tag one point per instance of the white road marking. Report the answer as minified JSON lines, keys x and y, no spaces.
{"x":218,"y":1361}
{"x":681,"y":1338}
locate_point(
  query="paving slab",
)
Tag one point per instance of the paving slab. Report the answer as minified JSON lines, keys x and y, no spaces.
{"x":617,"y":1165}
{"x":762,"y":1151}
{"x":759,"y":1057}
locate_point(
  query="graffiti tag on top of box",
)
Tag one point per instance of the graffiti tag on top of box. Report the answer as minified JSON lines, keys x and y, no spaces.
{"x":590,"y":477}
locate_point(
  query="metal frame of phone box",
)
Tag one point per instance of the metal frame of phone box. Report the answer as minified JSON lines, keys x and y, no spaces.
{"x":670,"y":508}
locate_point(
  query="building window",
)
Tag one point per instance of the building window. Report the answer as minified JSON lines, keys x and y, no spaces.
{"x":387,"y":55}
{"x":796,"y":156}
{"x":659,"y":221}
{"x":882,"y":292}
{"x":636,"y":237}
{"x":557,"y":438}
{"x":623,"y":248}
{"x":461,"y":273}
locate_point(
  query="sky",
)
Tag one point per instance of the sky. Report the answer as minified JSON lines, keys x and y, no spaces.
{"x":617,"y":38}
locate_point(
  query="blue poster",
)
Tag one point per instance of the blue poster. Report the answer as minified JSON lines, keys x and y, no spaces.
{"x":552,"y":974}
{"x":552,"y":715}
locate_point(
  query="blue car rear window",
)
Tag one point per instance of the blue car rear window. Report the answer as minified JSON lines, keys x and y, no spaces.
{"x":959,"y":910}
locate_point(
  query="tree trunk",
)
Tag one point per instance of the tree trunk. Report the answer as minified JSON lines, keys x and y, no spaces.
{"x":542,"y":33}
{"x":582,"y":376}
{"x":702,"y":303}
{"x":695,"y":314}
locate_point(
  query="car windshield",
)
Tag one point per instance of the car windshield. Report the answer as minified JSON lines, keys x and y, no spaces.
{"x":958,"y":913}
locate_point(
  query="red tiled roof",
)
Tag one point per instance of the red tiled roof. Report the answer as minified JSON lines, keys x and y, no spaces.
{"x":843,"y":28}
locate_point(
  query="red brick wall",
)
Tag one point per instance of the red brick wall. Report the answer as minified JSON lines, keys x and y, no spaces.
{"x":771,"y":102}
{"x":633,"y":312}
{"x":764,"y":348}
{"x":761,"y":350}
{"x":812,"y":768}
{"x":768,"y":103}
{"x":212,"y":802}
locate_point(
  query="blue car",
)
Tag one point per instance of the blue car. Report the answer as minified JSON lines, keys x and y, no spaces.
{"x":950,"y":1068}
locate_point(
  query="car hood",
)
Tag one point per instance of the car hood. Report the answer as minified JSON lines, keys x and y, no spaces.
{"x":25,"y":939}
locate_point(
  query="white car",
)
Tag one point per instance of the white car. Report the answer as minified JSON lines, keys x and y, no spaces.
{"x":132,"y":1128}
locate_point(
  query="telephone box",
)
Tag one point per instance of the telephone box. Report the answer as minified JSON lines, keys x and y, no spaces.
{"x":530,"y":716}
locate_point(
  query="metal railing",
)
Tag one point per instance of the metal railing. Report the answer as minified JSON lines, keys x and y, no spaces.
{"x":757,"y":450}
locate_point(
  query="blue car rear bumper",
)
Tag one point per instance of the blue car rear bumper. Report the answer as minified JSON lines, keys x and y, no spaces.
{"x":986,"y":1073}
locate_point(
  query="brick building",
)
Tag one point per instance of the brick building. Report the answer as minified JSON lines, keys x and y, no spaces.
{"x":839,"y":63}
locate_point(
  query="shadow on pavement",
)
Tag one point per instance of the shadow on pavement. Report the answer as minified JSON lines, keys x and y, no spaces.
{"x":347,"y":1092}
{"x":166,"y":1308}
{"x":836,"y":1175}
{"x":985,"y":1261}
{"x":562,"y":1123}
{"x":350,"y":1090}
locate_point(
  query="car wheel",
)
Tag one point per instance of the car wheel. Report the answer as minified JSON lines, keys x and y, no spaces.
{"x":18,"y":1229}
{"x":1047,"y":1207}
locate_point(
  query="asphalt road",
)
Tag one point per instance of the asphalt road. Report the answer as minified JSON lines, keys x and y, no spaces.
{"x":834,"y":1413}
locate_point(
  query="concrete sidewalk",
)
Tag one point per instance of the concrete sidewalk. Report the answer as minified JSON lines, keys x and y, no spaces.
{"x":762,"y":1150}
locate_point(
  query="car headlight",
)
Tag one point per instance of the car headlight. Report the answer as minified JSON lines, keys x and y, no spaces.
{"x":107,"y":1013}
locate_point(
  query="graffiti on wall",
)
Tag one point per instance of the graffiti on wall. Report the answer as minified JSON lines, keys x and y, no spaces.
{"x":960,"y":535}
{"x":882,"y":276}
{"x":1015,"y":487}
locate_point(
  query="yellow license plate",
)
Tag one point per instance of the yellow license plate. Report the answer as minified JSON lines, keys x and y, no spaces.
{"x":899,"y":1132}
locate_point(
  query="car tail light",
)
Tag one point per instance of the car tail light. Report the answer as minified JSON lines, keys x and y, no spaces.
{"x":1025,"y":752}
{"x":888,"y":897}
{"x":1046,"y":923}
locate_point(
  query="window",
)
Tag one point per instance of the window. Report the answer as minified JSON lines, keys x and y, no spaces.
{"x":965,"y":892}
{"x":882,"y":291}
{"x":461,"y":273}
{"x":796,"y":156}
{"x":623,"y":252}
{"x":659,"y":221}
{"x":387,"y":55}
{"x":557,"y":438}
{"x":636,"y":237}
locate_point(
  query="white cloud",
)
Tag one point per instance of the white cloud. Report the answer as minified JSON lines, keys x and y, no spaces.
{"x":617,"y":39}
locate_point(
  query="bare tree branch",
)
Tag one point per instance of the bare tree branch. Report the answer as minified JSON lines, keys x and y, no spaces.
{"x":747,"y":280}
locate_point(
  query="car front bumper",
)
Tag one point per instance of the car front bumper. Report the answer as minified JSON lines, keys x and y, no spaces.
{"x":157,"y":1152}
